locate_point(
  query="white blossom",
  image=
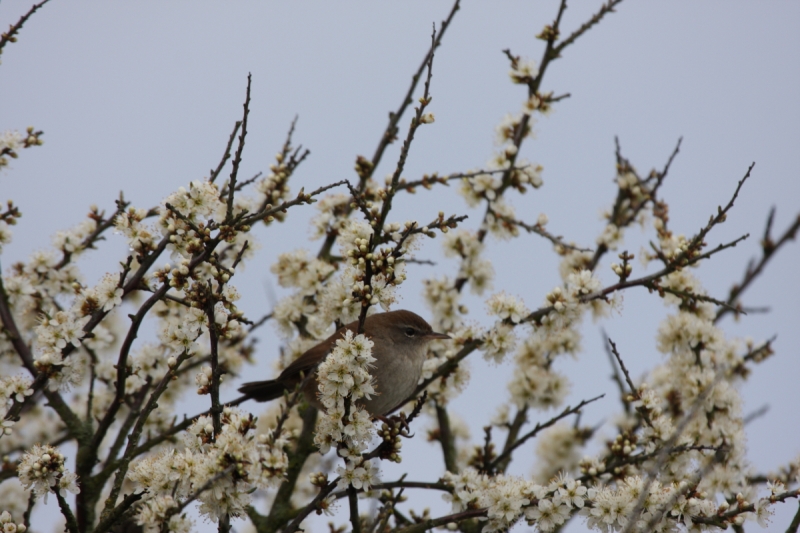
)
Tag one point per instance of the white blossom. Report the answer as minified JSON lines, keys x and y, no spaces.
{"x":42,"y":471}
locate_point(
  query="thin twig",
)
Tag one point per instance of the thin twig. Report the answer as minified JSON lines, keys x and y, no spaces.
{"x":539,"y":427}
{"x":538,"y":229}
{"x":227,"y":154}
{"x":192,"y":497}
{"x":71,"y":524}
{"x":616,"y":377}
{"x":238,"y":157}
{"x":10,"y":35}
{"x":432,"y":523}
{"x":301,"y":198}
{"x":768,"y":249}
{"x":605,"y":9}
{"x":758,"y":413}
{"x":402,"y":484}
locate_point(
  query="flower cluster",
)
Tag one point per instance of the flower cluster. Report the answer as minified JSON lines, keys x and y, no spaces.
{"x":344,"y":379}
{"x":220,"y":470}
{"x":523,"y":70}
{"x":507,"y":308}
{"x":154,"y":511}
{"x":12,"y":389}
{"x":664,"y":507}
{"x":507,"y":499}
{"x":12,"y":141}
{"x":42,"y":471}
{"x":443,"y":298}
{"x":535,"y":383}
{"x":499,"y":340}
{"x":274,"y":188}
{"x":369,"y":277}
{"x":386,"y":271}
{"x":185,"y":214}
{"x":557,"y":450}
{"x":5,"y":234}
{"x":179,"y":331}
{"x":8,"y":526}
{"x":475,"y":269}
{"x":330,"y":221}
{"x":479,"y":188}
{"x":500,"y":221}
{"x":297,"y":270}
{"x":453,"y":382}
{"x":74,"y":240}
{"x":59,"y":331}
{"x":141,"y":237}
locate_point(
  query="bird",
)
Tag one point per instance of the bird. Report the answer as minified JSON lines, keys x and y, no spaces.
{"x":400,"y":341}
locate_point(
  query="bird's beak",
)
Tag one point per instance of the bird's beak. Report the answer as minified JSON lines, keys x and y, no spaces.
{"x":433,"y":335}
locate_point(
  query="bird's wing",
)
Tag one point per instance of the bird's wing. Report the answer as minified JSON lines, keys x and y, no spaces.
{"x":309,"y":361}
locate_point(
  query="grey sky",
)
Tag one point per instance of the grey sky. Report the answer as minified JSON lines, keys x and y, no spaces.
{"x":141,"y":97}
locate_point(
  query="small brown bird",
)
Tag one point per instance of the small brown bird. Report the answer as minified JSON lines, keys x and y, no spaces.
{"x":400,"y":340}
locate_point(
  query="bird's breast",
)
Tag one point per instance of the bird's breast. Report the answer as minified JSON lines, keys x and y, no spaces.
{"x":396,"y":379}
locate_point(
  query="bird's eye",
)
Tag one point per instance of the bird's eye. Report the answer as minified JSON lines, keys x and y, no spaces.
{"x":410,"y":332}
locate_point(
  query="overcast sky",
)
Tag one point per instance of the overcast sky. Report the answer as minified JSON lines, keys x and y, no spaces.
{"x":141,"y":97}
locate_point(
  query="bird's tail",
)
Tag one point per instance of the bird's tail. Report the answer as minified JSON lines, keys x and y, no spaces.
{"x":263,"y":391}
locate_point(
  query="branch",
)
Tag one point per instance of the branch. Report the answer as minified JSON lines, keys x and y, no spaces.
{"x":352,"y":500}
{"x":655,"y":517}
{"x":446,"y":439}
{"x":428,"y":181}
{"x":768,"y":248}
{"x":550,"y":35}
{"x":72,"y":524}
{"x":795,"y":522}
{"x":613,"y":463}
{"x":448,"y":366}
{"x":133,"y":438}
{"x":227,"y":155}
{"x":238,"y":157}
{"x":615,"y":377}
{"x":89,"y":240}
{"x":416,"y":121}
{"x":122,"y":366}
{"x":605,"y":9}
{"x":538,"y":229}
{"x":192,"y":497}
{"x":10,"y":35}
{"x":645,"y":281}
{"x":216,"y":373}
{"x":429,"y":524}
{"x":305,"y":511}
{"x":513,"y":432}
{"x":302,"y":198}
{"x":70,"y":419}
{"x":110,"y":520}
{"x":282,"y":509}
{"x":401,"y":484}
{"x":540,"y":426}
